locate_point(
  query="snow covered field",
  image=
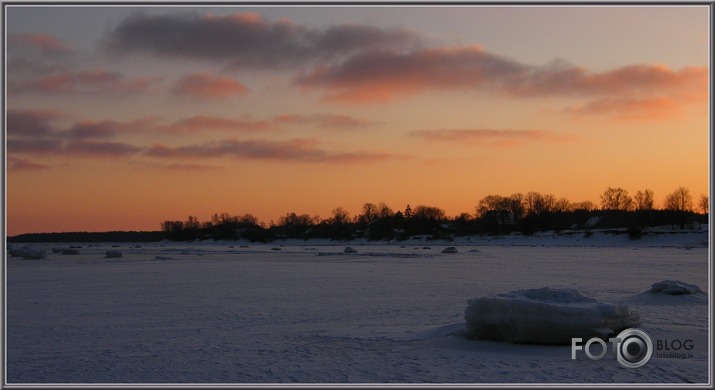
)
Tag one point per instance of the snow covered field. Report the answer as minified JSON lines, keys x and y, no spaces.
{"x":304,"y":312}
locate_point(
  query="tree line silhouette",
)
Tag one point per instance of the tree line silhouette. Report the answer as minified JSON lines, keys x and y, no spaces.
{"x":494,"y":214}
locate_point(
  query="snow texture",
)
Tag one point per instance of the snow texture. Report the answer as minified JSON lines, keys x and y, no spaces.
{"x":545,"y":316}
{"x":237,"y":312}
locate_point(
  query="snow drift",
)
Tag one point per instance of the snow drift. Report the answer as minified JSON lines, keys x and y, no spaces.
{"x":545,"y":316}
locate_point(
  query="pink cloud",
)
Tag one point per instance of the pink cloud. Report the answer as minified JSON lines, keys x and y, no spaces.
{"x":384,"y":75}
{"x":47,"y":44}
{"x":208,"y":86}
{"x":632,"y":79}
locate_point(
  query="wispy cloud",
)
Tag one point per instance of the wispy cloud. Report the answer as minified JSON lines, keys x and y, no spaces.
{"x":101,"y":148}
{"x":32,"y":122}
{"x":326,"y":121}
{"x":176,"y":167}
{"x":97,"y":81}
{"x":34,"y":146}
{"x":208,"y":86}
{"x":246,"y":40}
{"x":21,"y":164}
{"x":295,"y":150}
{"x":492,"y":137}
{"x":36,"y":132}
{"x":629,"y":109}
{"x":201,"y":123}
{"x":88,"y":129}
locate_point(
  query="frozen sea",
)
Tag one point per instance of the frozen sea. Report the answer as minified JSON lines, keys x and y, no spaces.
{"x":304,"y":312}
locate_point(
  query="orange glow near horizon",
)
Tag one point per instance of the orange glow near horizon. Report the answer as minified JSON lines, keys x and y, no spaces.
{"x":109,"y":130}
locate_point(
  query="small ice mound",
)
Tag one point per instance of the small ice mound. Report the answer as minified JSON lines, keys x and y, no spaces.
{"x":275,"y":248}
{"x":33,"y":254}
{"x":349,"y":250}
{"x":474,"y":251}
{"x":113,"y":254}
{"x":18,"y":252}
{"x":450,"y":249}
{"x":545,"y":316}
{"x":674,"y":287}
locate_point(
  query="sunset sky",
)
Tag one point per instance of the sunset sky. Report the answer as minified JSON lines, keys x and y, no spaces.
{"x":121,"y":117}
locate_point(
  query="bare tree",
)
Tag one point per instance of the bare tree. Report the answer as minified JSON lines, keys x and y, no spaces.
{"x":644,"y":200}
{"x":679,"y":200}
{"x":563,"y":205}
{"x":248,"y":220}
{"x":384,"y":210}
{"x":585,"y":205}
{"x":369,"y":213}
{"x":704,"y":204}
{"x":340,"y":216}
{"x":491,"y":203}
{"x":516,"y":205}
{"x":536,"y":204}
{"x":616,"y":199}
{"x":428,"y":213}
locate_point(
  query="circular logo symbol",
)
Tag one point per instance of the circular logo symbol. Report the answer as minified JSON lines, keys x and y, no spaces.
{"x":635,"y":348}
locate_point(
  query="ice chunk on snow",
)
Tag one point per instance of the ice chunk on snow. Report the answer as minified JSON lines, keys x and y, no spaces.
{"x":674,"y":287}
{"x":544,"y":316}
{"x":449,"y":249}
{"x":34,"y":254}
{"x":349,"y":250}
{"x":113,"y":254}
{"x":27,"y":253}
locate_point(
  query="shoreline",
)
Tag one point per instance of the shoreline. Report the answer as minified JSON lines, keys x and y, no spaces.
{"x":657,"y":237}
